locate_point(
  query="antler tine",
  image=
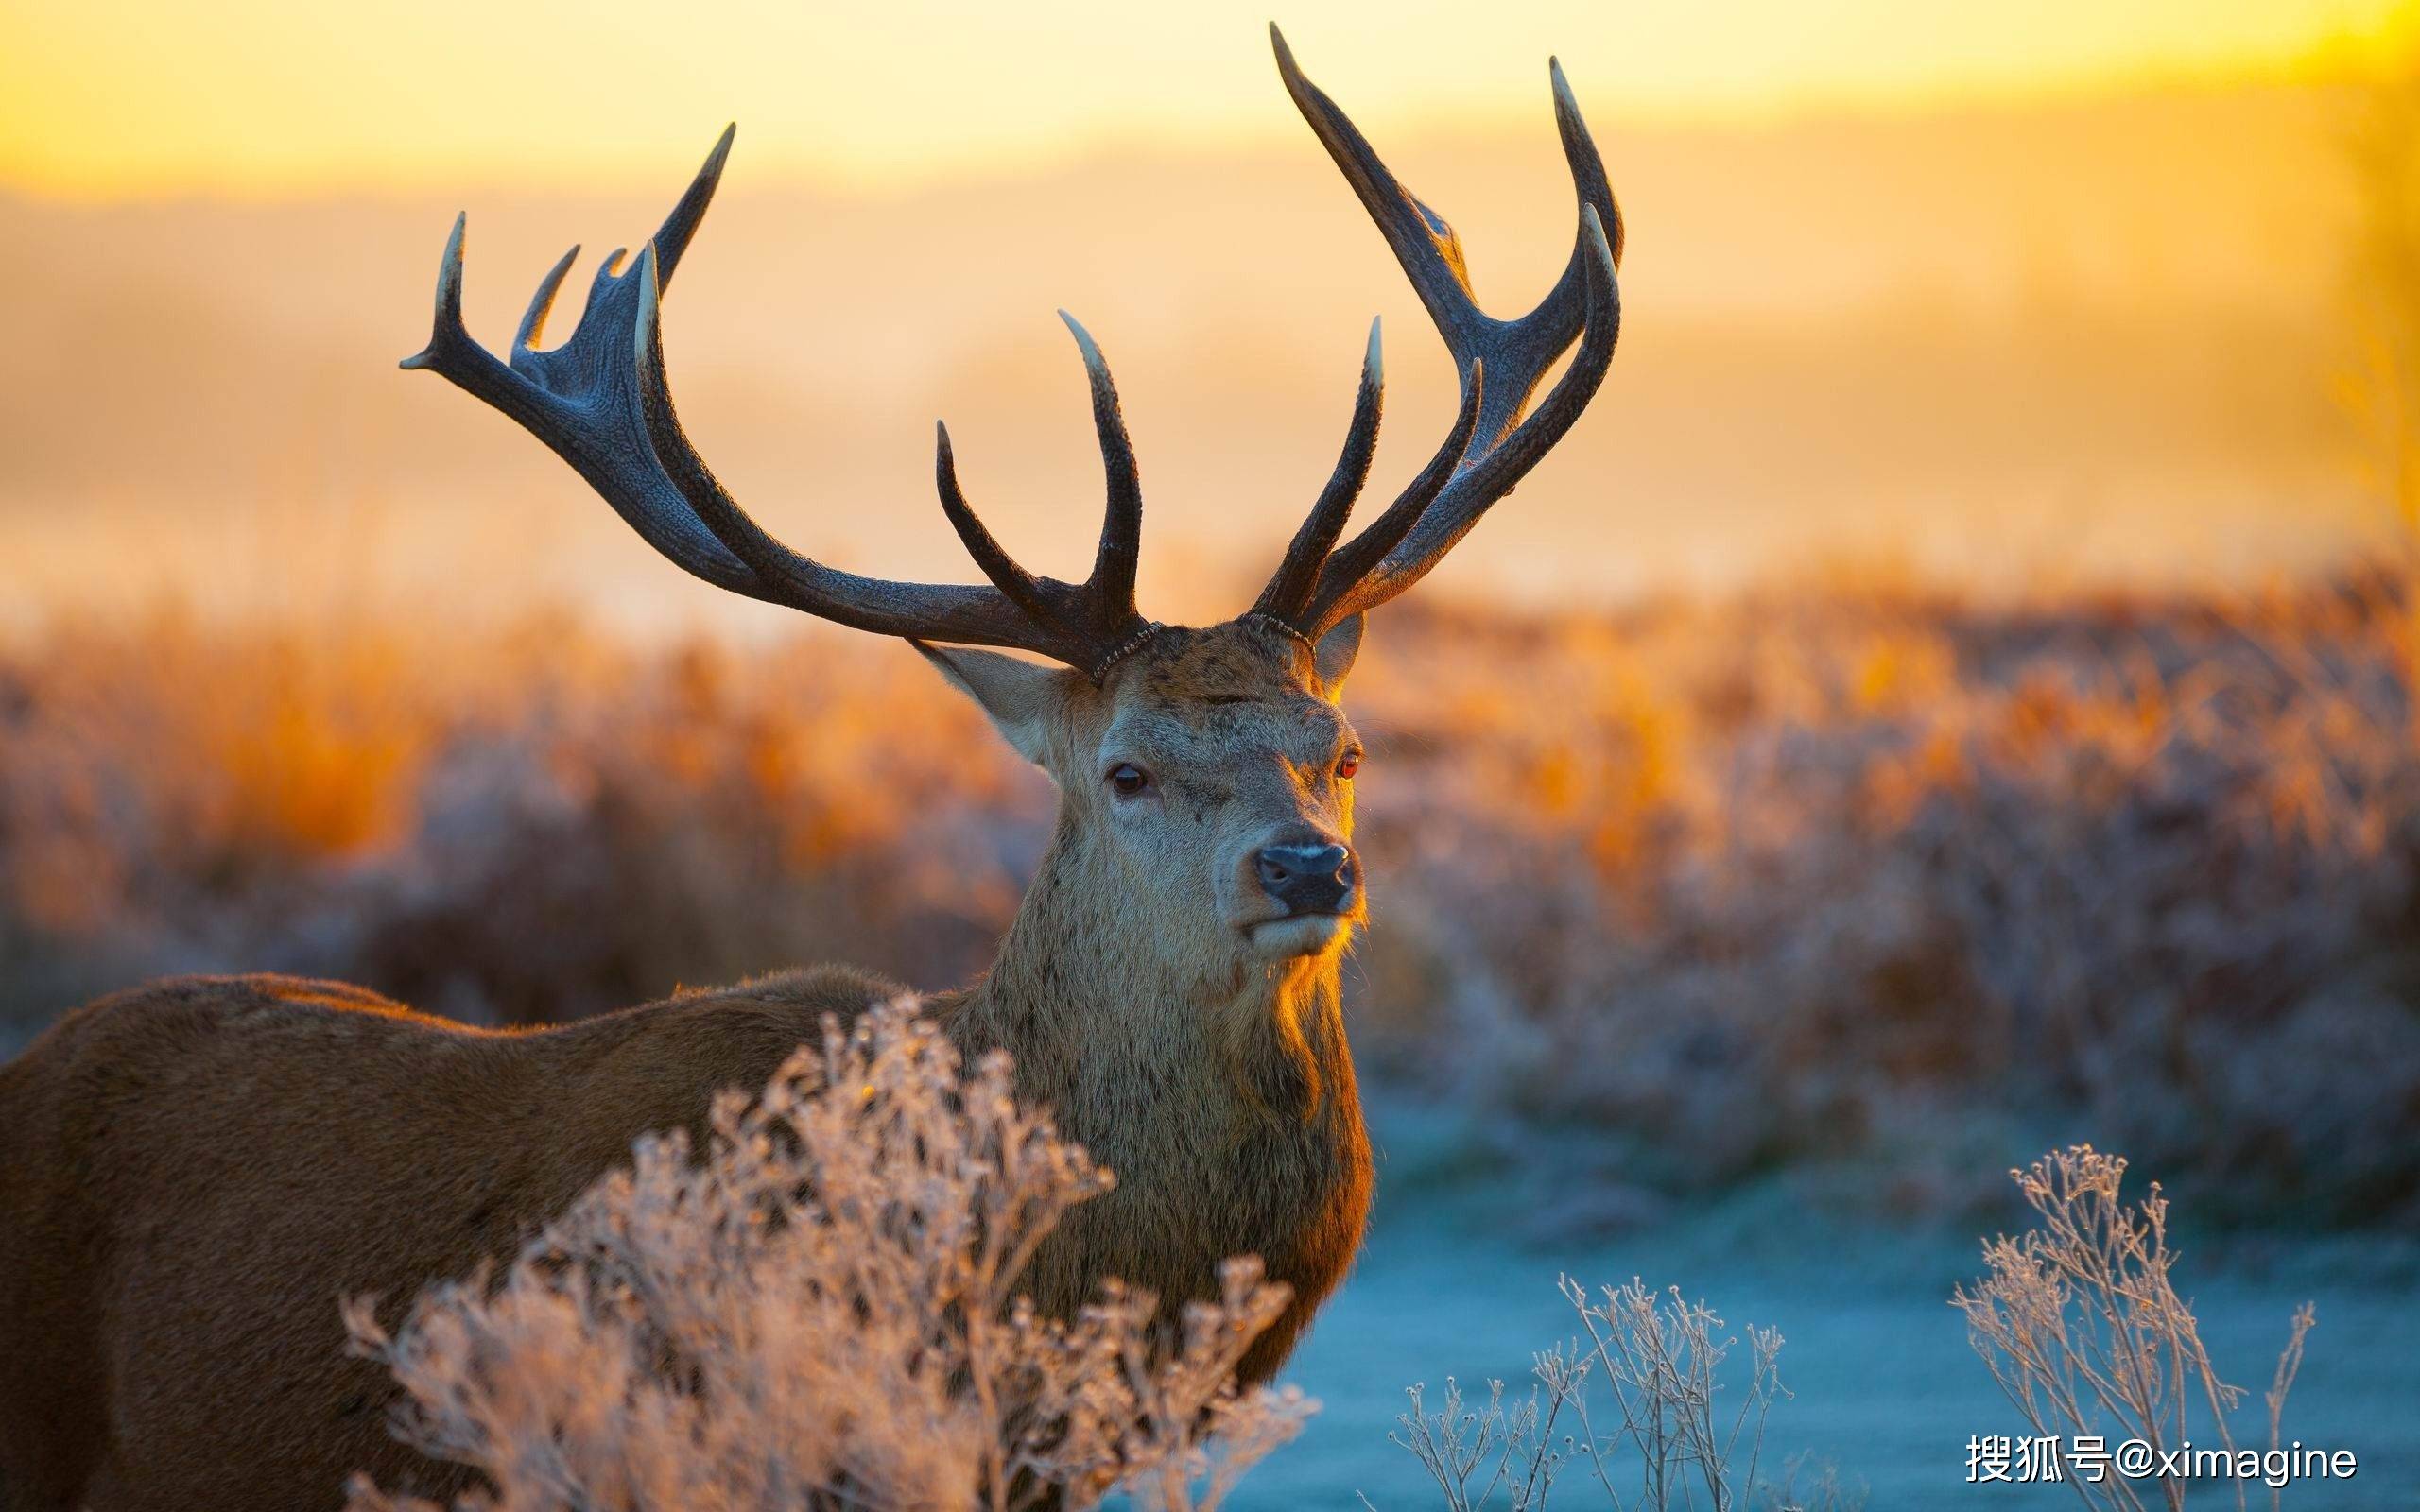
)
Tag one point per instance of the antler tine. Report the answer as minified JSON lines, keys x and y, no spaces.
{"x":1289,"y":592}
{"x":1427,"y":246}
{"x":446,"y":331}
{"x":534,"y":319}
{"x":981,"y":616}
{"x":1501,"y":361}
{"x":672,"y":239}
{"x":989,"y":554}
{"x":1517,"y":352}
{"x":600,"y":445}
{"x":1491,"y":474}
{"x":1112,"y":583}
{"x":1347,"y":567}
{"x":1588,"y":177}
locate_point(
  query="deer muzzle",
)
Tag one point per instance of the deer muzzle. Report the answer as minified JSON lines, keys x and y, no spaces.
{"x":1317,"y":877}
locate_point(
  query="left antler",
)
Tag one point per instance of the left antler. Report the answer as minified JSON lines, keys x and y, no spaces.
{"x":601,"y":402}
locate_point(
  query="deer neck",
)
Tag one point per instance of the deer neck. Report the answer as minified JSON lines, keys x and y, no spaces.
{"x":1108,"y":1012}
{"x":1222,"y":1094}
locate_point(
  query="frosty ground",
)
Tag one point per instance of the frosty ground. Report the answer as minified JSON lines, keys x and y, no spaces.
{"x":1459,"y":1279}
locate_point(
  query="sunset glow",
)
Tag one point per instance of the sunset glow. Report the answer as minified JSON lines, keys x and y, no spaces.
{"x":113,"y":97}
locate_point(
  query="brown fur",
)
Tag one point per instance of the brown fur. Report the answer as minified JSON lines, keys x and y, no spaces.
{"x":193,"y":1172}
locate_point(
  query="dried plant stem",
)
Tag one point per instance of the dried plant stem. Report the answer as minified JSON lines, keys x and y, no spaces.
{"x":2079,"y":1323}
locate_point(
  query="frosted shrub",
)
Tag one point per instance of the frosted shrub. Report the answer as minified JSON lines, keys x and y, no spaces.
{"x":1656,"y":1437}
{"x":2081,"y":1325}
{"x":821,"y":1313}
{"x":1858,"y":873}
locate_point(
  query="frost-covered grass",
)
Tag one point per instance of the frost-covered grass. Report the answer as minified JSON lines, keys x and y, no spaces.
{"x":822,"y":1310}
{"x":1822,"y":879}
{"x":1884,"y":1392}
{"x":2081,"y":1324}
{"x":1638,"y":1402}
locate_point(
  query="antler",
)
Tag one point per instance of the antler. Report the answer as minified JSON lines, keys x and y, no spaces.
{"x":1491,"y":447}
{"x":601,"y":402}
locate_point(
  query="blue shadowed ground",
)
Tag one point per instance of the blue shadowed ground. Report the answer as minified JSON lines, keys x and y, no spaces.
{"x":1453,"y":1282}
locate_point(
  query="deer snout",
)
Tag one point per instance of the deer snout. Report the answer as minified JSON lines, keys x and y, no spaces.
{"x":1310,"y":877}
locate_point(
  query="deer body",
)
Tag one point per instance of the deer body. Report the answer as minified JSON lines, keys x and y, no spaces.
{"x":189,"y":1168}
{"x":193,"y":1174}
{"x":229,"y":1385}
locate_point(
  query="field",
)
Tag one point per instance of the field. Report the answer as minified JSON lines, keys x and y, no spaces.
{"x":1698,"y":927}
{"x":1877,"y":886}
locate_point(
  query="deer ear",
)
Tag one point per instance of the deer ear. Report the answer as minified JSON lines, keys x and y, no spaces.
{"x":1020,"y":696}
{"x":1334,"y":654}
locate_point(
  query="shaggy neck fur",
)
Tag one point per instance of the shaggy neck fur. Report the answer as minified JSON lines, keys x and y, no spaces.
{"x":1106,"y":1011}
{"x":1222,"y":1095}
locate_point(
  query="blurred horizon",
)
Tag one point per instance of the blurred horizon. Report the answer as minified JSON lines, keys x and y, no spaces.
{"x":1922,"y":291}
{"x":117,"y":99}
{"x":2007,"y":345}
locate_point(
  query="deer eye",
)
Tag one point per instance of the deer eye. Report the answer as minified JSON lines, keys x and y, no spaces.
{"x":1129,"y":779}
{"x":1347,"y":765}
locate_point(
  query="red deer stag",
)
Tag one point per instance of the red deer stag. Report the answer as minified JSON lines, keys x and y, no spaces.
{"x":194,"y":1172}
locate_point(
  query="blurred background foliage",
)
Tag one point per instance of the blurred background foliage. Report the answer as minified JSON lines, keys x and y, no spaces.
{"x":1861,"y":878}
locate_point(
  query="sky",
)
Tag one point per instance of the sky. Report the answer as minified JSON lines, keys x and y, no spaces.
{"x":103,"y":99}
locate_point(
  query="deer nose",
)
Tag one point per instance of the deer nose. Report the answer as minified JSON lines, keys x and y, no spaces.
{"x":1307,"y":879}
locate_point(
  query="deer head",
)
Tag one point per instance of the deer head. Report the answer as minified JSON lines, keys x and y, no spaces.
{"x":1207,"y":773}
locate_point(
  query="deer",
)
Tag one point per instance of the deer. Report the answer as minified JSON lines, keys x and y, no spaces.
{"x":195,"y":1172}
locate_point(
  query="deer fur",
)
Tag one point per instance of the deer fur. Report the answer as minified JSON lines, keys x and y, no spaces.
{"x":193,"y":1174}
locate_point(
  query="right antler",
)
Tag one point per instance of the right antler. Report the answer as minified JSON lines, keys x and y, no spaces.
{"x":1491,"y":447}
{"x":601,"y":402}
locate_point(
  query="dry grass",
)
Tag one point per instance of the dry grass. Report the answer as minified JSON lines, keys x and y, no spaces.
{"x":821,"y":1311}
{"x":1651,"y":1363}
{"x":1860,"y":873}
{"x":2080,"y":1321}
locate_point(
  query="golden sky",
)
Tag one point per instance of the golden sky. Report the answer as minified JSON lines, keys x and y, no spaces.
{"x":102,"y":98}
